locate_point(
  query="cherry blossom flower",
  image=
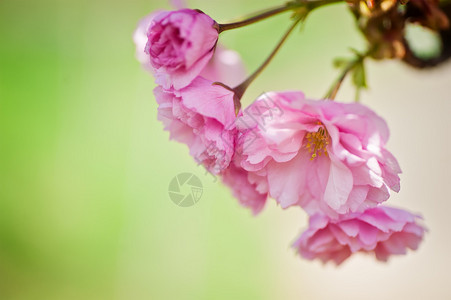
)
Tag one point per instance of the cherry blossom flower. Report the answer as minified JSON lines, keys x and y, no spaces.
{"x":179,"y":45}
{"x":225,"y":66}
{"x":200,"y":115}
{"x":324,"y":156}
{"x":382,"y":231}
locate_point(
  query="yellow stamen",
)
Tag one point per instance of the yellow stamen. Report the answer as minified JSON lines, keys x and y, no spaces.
{"x":317,"y":141}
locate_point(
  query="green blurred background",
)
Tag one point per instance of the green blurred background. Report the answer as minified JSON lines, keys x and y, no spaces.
{"x":85,"y":165}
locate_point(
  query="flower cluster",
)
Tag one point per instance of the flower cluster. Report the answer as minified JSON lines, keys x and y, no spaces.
{"x":324,"y":156}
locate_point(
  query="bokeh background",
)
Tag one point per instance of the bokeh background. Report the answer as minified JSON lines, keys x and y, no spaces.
{"x":85,"y":165}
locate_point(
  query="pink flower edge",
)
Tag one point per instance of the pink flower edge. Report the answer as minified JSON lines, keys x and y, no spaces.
{"x":247,"y":192}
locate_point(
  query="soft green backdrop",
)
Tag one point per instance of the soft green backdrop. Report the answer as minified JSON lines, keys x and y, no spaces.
{"x":85,"y":166}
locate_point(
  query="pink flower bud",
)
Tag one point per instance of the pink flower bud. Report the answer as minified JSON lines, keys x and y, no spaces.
{"x":179,"y":45}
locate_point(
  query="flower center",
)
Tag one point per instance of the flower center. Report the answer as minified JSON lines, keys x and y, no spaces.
{"x":317,"y":142}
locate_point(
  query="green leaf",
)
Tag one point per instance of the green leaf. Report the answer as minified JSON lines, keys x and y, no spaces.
{"x":355,"y":51}
{"x":340,"y":62}
{"x":358,"y":76}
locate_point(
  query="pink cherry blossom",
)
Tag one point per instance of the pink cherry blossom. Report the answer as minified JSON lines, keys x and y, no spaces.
{"x":324,"y":156}
{"x":201,"y":115}
{"x":383,"y":231}
{"x":180,"y":44}
{"x":225,"y":66}
{"x":244,"y":188}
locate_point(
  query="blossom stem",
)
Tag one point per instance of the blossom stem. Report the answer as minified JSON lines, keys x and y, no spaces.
{"x":241,"y":88}
{"x":254,"y":19}
{"x":293,"y":5}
